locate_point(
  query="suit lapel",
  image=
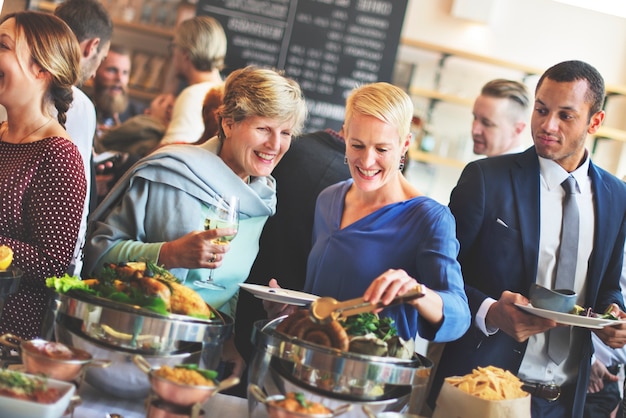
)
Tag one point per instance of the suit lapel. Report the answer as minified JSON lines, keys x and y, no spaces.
{"x":525,"y":181}
{"x":602,"y":204}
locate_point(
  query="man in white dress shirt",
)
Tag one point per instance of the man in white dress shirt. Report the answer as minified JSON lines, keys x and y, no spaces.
{"x":93,"y":27}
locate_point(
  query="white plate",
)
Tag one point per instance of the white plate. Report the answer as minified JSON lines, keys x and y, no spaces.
{"x":19,"y":408}
{"x":290,"y":297}
{"x":569,"y":319}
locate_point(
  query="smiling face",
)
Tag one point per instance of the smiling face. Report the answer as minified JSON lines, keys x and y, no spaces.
{"x":253,"y":146}
{"x":560,"y":122}
{"x":373,"y":150}
{"x":17,"y":72}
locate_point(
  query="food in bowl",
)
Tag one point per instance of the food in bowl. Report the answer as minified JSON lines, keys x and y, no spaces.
{"x":50,"y":398}
{"x":183,"y":385}
{"x":490,"y":383}
{"x":51,"y":359}
{"x":187,"y":374}
{"x":56,"y":360}
{"x":141,"y":284}
{"x":364,"y":333}
{"x":296,"y":402}
{"x":18,"y":385}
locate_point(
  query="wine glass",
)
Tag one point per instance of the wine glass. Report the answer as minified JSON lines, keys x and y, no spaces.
{"x":225,"y":214}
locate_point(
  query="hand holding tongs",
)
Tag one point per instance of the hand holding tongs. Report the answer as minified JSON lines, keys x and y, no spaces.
{"x":326,"y":309}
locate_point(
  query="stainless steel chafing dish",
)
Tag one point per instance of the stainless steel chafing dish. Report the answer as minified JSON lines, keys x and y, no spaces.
{"x":333,"y":377}
{"x":116,"y":331}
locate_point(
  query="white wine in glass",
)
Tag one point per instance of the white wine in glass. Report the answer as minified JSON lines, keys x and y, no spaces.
{"x":225,"y":214}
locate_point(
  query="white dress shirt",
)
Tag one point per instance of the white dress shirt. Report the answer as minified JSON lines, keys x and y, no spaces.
{"x":536,"y":365}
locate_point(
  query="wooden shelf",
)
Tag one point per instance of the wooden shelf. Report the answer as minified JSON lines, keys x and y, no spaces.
{"x":611,"y":89}
{"x":444,"y":97}
{"x":469,"y":55}
{"x":611,"y":133}
{"x":147,"y":29}
{"x":426,"y":157}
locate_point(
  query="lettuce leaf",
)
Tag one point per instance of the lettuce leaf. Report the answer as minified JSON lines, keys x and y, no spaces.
{"x":66,"y":283}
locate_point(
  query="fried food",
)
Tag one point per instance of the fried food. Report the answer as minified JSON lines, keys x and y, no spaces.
{"x":300,"y":325}
{"x":186,"y":301}
{"x":183,"y":376}
{"x":155,"y":287}
{"x":296,"y":402}
{"x":158,"y":284}
{"x":286,"y":325}
{"x":490,"y":383}
{"x":129,"y":270}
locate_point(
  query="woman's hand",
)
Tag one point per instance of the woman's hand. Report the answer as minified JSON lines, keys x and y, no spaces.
{"x":276,"y":309}
{"x":196,"y":250}
{"x":392,"y":283}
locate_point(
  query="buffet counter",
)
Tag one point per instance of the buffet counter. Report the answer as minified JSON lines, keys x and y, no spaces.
{"x":96,"y":404}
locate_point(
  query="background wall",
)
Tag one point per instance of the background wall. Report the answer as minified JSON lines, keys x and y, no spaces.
{"x":536,"y":33}
{"x":533,"y":33}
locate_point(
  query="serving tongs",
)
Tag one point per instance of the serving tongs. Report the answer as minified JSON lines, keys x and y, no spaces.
{"x":326,"y":309}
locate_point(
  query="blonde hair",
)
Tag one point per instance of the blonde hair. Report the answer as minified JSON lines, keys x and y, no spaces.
{"x":203,"y":38}
{"x":53,"y":46}
{"x":254,"y":91}
{"x":383,"y":101}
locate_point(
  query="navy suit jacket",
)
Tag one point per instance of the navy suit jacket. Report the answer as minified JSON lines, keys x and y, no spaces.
{"x":495,"y":258}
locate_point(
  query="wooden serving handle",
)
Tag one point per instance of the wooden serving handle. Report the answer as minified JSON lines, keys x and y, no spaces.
{"x":326,"y":309}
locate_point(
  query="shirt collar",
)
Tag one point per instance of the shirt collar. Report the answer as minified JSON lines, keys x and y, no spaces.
{"x":554,"y":174}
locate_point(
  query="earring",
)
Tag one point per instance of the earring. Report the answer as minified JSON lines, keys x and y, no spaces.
{"x":345,"y":160}
{"x":402,"y":161}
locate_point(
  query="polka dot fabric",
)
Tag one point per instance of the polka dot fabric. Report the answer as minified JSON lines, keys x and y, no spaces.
{"x":42,"y":193}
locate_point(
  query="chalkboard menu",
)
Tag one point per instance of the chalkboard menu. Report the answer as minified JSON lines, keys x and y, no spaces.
{"x":328,"y":46}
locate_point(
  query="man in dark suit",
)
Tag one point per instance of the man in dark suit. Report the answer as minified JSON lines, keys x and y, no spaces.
{"x":509,"y":211}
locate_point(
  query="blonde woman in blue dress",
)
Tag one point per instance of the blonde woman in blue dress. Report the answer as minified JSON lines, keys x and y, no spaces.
{"x":376,"y":236}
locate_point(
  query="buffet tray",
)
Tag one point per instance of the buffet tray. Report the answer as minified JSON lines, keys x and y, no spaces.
{"x":133,"y":327}
{"x":347,"y":366}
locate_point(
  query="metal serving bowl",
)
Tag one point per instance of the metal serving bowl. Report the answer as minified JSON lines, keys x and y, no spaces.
{"x":135,"y":328}
{"x":331,"y":376}
{"x":179,"y":393}
{"x":61,"y":368}
{"x":158,"y":408}
{"x":277,"y":411}
{"x":117,"y":332}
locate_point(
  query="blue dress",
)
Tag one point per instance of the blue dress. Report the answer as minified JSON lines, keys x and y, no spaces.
{"x":416,"y":235}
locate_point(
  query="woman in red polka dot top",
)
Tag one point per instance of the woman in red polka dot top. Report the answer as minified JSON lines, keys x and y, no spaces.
{"x":42,"y":181}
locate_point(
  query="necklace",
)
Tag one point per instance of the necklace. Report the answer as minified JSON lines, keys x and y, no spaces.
{"x":29,"y":134}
